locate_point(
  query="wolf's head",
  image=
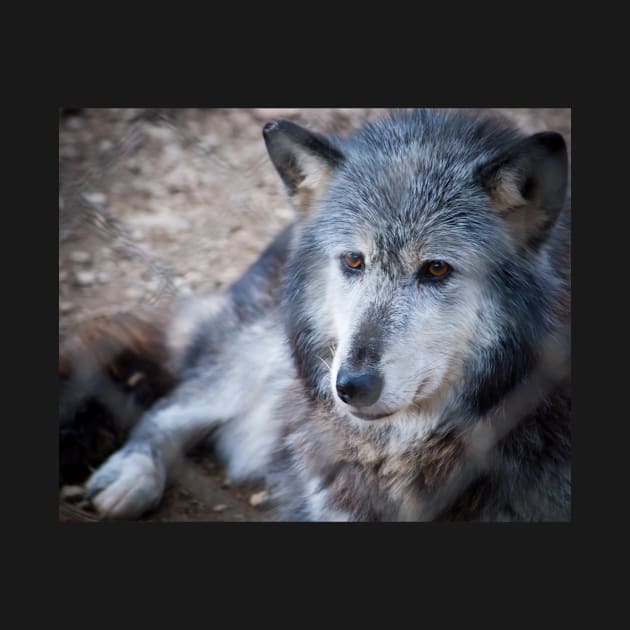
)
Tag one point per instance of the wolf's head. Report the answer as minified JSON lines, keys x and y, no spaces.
{"x":419,"y":271}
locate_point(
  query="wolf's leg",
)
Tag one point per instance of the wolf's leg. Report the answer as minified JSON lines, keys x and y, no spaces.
{"x":133,"y":479}
{"x":241,"y":383}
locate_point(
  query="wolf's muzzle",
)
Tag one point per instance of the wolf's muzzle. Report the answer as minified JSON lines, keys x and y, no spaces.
{"x":359,"y":389}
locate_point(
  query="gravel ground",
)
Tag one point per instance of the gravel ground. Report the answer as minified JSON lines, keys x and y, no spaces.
{"x":156,"y":204}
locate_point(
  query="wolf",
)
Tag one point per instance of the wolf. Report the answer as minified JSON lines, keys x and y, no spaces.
{"x":400,"y":352}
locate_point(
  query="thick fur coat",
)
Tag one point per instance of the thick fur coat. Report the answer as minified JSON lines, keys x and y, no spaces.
{"x":401,"y":352}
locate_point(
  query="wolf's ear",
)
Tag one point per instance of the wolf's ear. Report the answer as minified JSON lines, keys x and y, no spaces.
{"x":528,"y":183}
{"x":303,"y":159}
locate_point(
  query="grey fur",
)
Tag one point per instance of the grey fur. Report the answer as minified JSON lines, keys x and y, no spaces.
{"x":473,"y":418}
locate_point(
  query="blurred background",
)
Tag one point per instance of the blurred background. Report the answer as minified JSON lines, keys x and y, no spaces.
{"x":160,"y":203}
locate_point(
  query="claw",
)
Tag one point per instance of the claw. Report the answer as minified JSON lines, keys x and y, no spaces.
{"x":126,"y":485}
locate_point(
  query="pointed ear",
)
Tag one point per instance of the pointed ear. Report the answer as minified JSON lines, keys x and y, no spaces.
{"x":303,"y":159}
{"x":528,"y":183}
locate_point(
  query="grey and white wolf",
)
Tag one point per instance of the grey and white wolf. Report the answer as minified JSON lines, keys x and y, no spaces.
{"x":400,"y":352}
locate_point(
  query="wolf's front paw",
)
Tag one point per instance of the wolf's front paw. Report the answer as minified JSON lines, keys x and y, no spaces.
{"x":128,"y":484}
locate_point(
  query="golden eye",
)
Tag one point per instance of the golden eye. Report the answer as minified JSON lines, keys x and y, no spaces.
{"x":354,"y":261}
{"x":438,"y":268}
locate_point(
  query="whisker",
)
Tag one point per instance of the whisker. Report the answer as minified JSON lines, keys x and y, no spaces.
{"x":324,"y":362}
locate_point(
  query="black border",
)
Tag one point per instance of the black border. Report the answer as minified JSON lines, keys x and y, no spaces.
{"x":246,"y":549}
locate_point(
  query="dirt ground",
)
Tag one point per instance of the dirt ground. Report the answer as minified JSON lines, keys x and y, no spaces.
{"x":159,"y":203}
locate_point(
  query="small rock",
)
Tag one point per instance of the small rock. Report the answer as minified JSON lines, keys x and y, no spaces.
{"x":104,"y":146}
{"x":84,"y":278}
{"x":153,"y":285}
{"x":159,"y":133}
{"x":193,"y":276}
{"x":63,"y":276}
{"x":72,"y":494}
{"x":134,"y":293}
{"x":102,"y":277}
{"x":65,"y":307}
{"x":97,"y":198}
{"x":208,"y":143}
{"x":160,"y":217}
{"x":81,"y":258}
{"x":258,"y":498}
{"x":219,"y":508}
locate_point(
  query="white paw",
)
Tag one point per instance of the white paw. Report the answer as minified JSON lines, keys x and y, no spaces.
{"x":128,"y":484}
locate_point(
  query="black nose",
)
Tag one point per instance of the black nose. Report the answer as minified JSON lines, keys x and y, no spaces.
{"x":360,"y":389}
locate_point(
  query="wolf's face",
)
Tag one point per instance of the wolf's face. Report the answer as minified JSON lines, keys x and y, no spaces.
{"x":404,"y":272}
{"x":402,"y":305}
